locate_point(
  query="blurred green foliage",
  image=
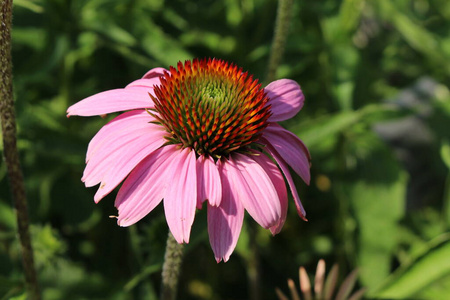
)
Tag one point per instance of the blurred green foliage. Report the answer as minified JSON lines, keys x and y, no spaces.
{"x":376,"y":120}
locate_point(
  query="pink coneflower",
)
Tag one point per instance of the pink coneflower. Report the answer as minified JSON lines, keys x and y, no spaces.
{"x":204,"y":131}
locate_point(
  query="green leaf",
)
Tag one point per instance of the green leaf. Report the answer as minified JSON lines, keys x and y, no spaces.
{"x":349,"y":13}
{"x":29,"y":4}
{"x":7,"y":216}
{"x":113,"y":32}
{"x":445,"y":153}
{"x":46,"y":244}
{"x":234,"y":12}
{"x":378,"y":208}
{"x":375,"y":191}
{"x":31,"y":37}
{"x":420,"y":275}
{"x":315,"y":132}
{"x":141,"y":276}
{"x":214,"y":41}
{"x":9,"y":287}
{"x":22,"y":296}
{"x":415,"y":35}
{"x":161,"y":46}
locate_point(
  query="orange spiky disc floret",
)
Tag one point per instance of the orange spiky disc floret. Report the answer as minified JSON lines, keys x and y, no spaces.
{"x":211,"y":106}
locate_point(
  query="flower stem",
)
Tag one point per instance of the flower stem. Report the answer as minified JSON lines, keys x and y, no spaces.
{"x":279,"y":38}
{"x":171,"y":268}
{"x":10,"y":149}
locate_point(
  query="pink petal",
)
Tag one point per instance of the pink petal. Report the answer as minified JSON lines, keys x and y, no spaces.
{"x":286,"y":99}
{"x":181,"y":198}
{"x":145,"y":187}
{"x":123,"y":165}
{"x":256,"y":190}
{"x":144,"y":83}
{"x":154,"y":73}
{"x":110,"y":147}
{"x":99,"y":164}
{"x":278,"y":181}
{"x":290,"y":148}
{"x":284,"y":207}
{"x":284,"y":167}
{"x":112,"y":101}
{"x":225,"y":221}
{"x":127,"y":121}
{"x":208,"y":182}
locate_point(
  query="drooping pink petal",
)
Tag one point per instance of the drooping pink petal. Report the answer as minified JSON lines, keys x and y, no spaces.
{"x":145,"y":187}
{"x":112,"y":101}
{"x":284,"y":208}
{"x":127,"y":121}
{"x":181,"y":198}
{"x":98,"y":164}
{"x":208,"y":182}
{"x":278,"y":181}
{"x":225,"y":221}
{"x":110,"y":147}
{"x":286,"y":99}
{"x":154,"y":73}
{"x":124,"y":164}
{"x":290,"y":148}
{"x":284,"y":167}
{"x":256,"y":190}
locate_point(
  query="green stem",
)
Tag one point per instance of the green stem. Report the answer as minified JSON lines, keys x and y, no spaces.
{"x":171,"y":268}
{"x":279,"y":38}
{"x":10,"y":152}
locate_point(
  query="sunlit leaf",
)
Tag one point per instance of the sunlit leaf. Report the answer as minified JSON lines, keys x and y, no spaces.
{"x":445,"y":153}
{"x":7,"y":216}
{"x":426,"y":270}
{"x":33,"y":5}
{"x":417,"y":36}
{"x":323,"y":128}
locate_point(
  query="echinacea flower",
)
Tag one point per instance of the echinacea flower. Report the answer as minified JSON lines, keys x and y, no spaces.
{"x":203,"y":131}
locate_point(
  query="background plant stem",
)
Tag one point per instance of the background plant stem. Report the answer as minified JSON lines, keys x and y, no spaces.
{"x":171,"y":268}
{"x":282,"y":23}
{"x":10,"y":149}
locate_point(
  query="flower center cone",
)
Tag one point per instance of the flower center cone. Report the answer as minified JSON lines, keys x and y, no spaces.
{"x":211,"y":106}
